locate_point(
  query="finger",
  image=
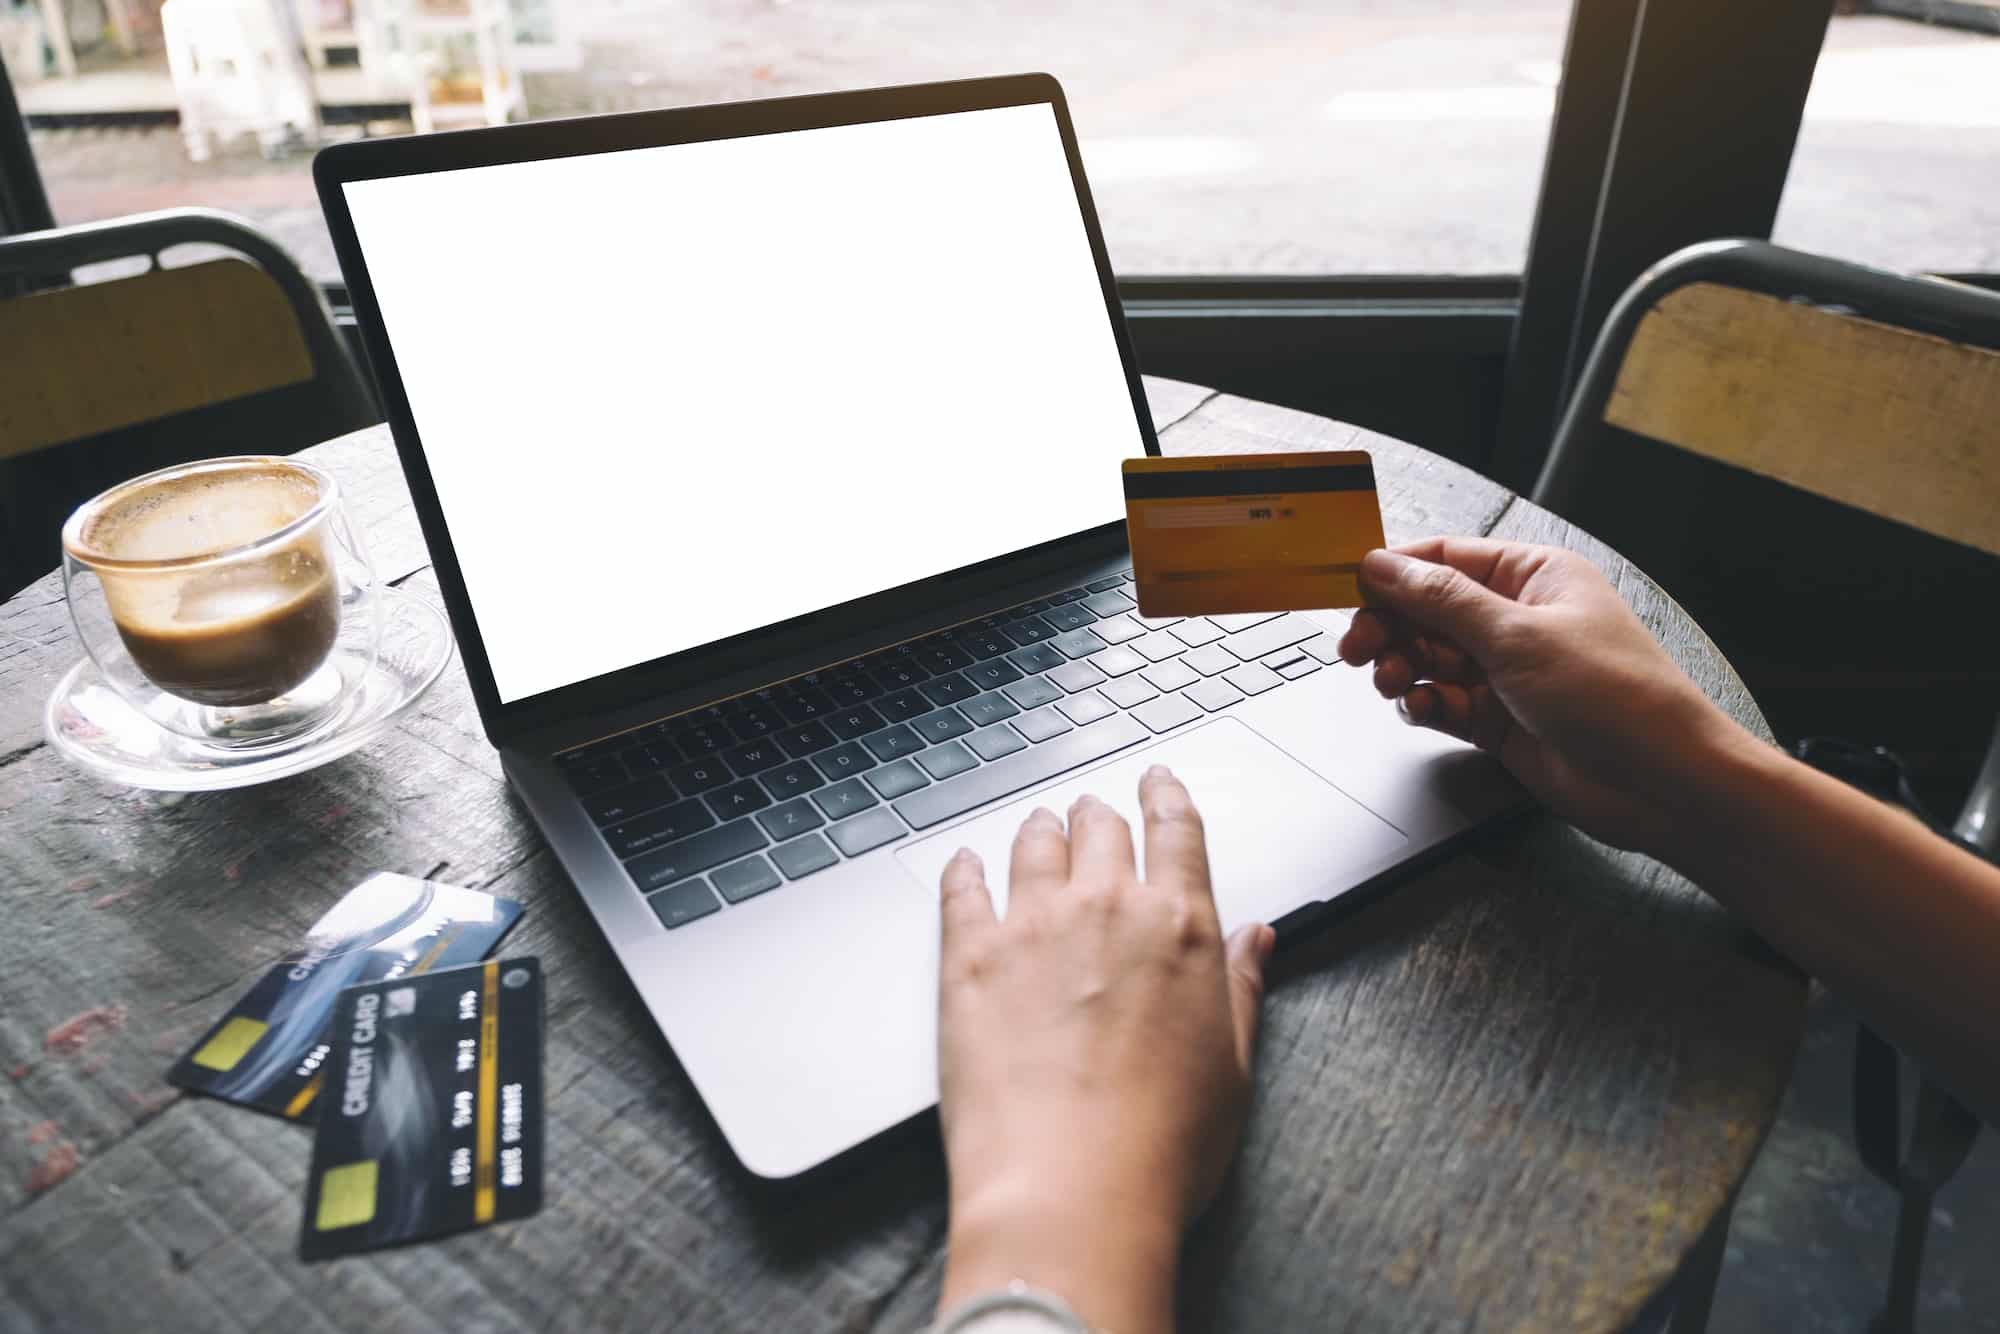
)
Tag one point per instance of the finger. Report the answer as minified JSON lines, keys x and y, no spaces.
{"x":1470,"y":713}
{"x":1436,"y":599}
{"x":1039,"y":863}
{"x":1100,"y":844}
{"x":1248,"y":951}
{"x":966,"y":905}
{"x":1369,"y":633}
{"x":1424,"y":659}
{"x":1176,"y":845}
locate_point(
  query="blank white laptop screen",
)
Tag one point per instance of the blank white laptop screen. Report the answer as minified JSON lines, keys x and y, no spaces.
{"x":669,"y":395}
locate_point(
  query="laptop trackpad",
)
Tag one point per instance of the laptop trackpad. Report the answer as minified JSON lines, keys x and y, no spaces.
{"x":1279,"y":835}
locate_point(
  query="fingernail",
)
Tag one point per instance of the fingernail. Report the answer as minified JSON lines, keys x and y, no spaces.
{"x":1159,"y":771}
{"x":1267,"y":940}
{"x":1415,"y":706}
{"x":962,"y":854}
{"x":1043,"y":813}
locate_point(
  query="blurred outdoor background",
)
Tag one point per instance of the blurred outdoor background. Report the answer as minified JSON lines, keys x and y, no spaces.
{"x":1265,"y":136}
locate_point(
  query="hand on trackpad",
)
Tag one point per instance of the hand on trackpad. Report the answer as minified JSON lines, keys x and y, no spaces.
{"x":1279,"y":835}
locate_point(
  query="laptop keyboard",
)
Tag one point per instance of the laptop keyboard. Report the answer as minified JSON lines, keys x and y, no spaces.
{"x":712,"y":807}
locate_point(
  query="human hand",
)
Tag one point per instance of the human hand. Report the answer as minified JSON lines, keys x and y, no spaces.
{"x":1094,"y":1053}
{"x":1528,"y":653}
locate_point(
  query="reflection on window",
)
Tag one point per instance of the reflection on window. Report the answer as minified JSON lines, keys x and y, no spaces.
{"x":1222,"y":136}
{"x":1898,"y":162}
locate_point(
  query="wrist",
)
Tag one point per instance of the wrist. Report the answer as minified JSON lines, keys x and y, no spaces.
{"x":1712,"y":795}
{"x":1113,"y":1259}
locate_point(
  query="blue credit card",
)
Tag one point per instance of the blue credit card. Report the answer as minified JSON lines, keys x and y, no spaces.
{"x":267,"y":1051}
{"x":432,"y":1115}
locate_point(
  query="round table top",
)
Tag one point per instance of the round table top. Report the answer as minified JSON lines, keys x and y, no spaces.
{"x":1512,"y":1093}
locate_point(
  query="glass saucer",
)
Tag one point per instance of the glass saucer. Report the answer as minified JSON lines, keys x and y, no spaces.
{"x":97,"y":728}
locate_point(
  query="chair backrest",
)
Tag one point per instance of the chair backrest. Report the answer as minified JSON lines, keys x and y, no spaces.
{"x":1806,"y":453}
{"x":235,"y":354}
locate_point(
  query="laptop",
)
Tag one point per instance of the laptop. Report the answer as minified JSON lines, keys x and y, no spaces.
{"x":767,"y":455}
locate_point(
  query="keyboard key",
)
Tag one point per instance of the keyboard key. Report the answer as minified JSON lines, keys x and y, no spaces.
{"x":692,"y":856}
{"x":755,"y":721}
{"x":1213,"y":694}
{"x":738,"y":799}
{"x":1033,"y":692}
{"x":1078,"y":644}
{"x":942,"y":801}
{"x":898,"y":674}
{"x":993,"y":742}
{"x":1271,"y":636}
{"x":622,"y":803}
{"x":668,"y":824}
{"x":903,"y":706}
{"x":1041,"y":724}
{"x":852,"y":721}
{"x":1128,"y":691}
{"x":866,"y":832}
{"x":753,"y":758}
{"x":942,"y":725}
{"x":893,"y":742}
{"x":946,"y":760}
{"x":843,"y":761}
{"x":1196,"y":631}
{"x":1028,"y":630}
{"x":1253,"y":678}
{"x":1069,"y":595}
{"x":651,"y":758}
{"x":1284,"y":657}
{"x":989,"y":708}
{"x":1117,"y":661}
{"x":789,"y":820}
{"x":699,"y":776}
{"x":993,"y":675}
{"x":745,"y":879}
{"x":843,"y":799}
{"x":1108,"y":603}
{"x":1118,"y":629}
{"x":1071,"y":617}
{"x":803,"y":706}
{"x":1292,"y":671}
{"x":1099,"y":585}
{"x":1075,"y":676}
{"x":1158,"y":646}
{"x":1036,"y":658}
{"x":1242,"y":620}
{"x":985,"y":642}
{"x":800,"y":742}
{"x":596,"y":775}
{"x":793,"y":780}
{"x":705,"y":740}
{"x":943,"y":657}
{"x":683,"y":903}
{"x":1167,"y":712}
{"x":852,"y":689}
{"x":1325,"y":648}
{"x":948,"y":689}
{"x":893,"y":780}
{"x":1210,"y":660}
{"x":1171,"y":675}
{"x":804,"y":856}
{"x":1156,"y":622}
{"x":1089,"y":707}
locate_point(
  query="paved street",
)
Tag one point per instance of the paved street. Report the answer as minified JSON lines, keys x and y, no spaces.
{"x":1255,"y":137}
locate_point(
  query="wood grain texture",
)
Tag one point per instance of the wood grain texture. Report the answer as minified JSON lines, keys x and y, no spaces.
{"x":1898,"y":423}
{"x":57,"y":345}
{"x":1508,"y":1096}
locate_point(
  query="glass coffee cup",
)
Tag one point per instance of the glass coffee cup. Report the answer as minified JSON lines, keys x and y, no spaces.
{"x":229,"y":600}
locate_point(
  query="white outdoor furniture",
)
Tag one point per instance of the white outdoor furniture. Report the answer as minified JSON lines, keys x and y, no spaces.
{"x":237,"y":70}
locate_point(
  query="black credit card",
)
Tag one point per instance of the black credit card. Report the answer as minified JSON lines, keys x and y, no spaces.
{"x":432,"y":1115}
{"x":267,"y":1050}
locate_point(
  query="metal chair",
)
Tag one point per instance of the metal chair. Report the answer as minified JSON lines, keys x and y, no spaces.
{"x":234,"y":354}
{"x":1806,"y":453}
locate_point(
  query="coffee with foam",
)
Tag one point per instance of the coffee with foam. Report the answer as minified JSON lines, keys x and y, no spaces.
{"x":204,"y":618}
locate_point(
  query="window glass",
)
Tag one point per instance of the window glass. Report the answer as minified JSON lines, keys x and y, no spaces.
{"x":1898,"y":161}
{"x":1220,"y":136}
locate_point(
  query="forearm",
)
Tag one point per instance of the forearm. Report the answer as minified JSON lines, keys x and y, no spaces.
{"x":1899,"y":921}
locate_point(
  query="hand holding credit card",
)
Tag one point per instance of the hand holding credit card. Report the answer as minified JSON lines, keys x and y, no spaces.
{"x":1250,"y":532}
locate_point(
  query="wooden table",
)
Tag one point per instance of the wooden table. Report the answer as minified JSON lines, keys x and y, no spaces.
{"x":1511,"y":1095}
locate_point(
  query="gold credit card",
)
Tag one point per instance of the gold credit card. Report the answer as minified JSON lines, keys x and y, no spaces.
{"x":1250,"y":532}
